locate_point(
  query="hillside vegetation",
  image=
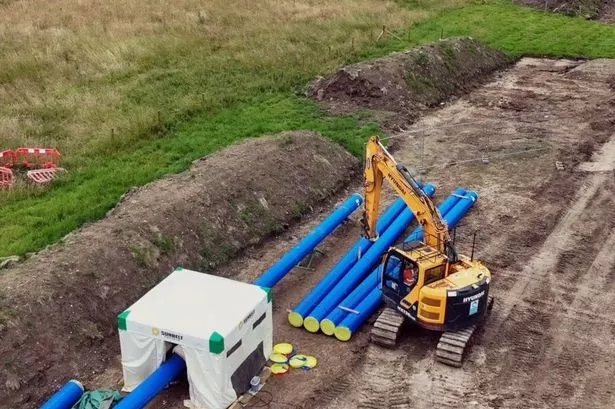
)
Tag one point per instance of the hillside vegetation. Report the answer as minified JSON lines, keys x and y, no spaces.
{"x":132,"y":90}
{"x":112,"y":84}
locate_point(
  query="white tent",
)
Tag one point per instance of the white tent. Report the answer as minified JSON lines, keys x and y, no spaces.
{"x":223,"y":327}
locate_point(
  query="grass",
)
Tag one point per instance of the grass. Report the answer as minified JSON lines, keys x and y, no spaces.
{"x":129,"y":96}
{"x":519,"y":31}
{"x":88,"y":194}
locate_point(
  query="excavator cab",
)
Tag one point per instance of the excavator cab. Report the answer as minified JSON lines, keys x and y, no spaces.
{"x":399,"y":275}
{"x":405,"y":271}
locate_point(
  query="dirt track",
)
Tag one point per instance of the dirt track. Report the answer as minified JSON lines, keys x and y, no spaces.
{"x":547,"y":235}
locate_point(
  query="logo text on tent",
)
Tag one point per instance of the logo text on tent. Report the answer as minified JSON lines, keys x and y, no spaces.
{"x":171,"y":335}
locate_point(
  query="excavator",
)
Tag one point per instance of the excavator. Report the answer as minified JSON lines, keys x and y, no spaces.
{"x":426,"y":282}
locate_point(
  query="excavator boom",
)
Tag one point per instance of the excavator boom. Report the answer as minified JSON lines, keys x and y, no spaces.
{"x":379,"y":164}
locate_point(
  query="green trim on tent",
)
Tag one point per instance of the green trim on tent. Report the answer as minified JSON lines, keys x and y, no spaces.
{"x":216,"y":343}
{"x":269,"y":293}
{"x":179,"y":269}
{"x":121,"y":320}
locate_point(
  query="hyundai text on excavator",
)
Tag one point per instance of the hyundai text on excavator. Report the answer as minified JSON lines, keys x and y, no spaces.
{"x":424,"y":281}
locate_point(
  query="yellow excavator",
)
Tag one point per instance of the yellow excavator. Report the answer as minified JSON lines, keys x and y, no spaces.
{"x":425,"y":281}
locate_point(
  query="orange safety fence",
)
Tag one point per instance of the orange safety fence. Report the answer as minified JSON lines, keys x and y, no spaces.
{"x":37,"y":158}
{"x":7,"y":178}
{"x":7,"y":158}
{"x":43,"y":176}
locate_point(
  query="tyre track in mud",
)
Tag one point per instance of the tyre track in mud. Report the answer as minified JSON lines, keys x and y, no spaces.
{"x":532,"y":351}
{"x":385,"y":388}
{"x":556,"y":312}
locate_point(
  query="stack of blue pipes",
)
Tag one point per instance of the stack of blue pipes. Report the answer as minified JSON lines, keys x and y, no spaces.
{"x":349,"y":294}
{"x":353,"y":267}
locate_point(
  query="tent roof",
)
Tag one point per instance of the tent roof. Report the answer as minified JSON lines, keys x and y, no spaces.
{"x":196,"y":304}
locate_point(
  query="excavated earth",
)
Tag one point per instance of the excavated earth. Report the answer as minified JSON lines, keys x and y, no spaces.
{"x":603,"y":10}
{"x":547,"y":234}
{"x":58,"y":309}
{"x":400,"y":87}
{"x":582,"y":8}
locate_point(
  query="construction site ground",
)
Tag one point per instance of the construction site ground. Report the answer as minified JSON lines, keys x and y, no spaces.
{"x":536,"y":142}
{"x":547,"y":234}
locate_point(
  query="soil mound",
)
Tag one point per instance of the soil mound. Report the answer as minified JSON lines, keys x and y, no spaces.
{"x":58,"y":309}
{"x":582,"y":8}
{"x":408,"y":82}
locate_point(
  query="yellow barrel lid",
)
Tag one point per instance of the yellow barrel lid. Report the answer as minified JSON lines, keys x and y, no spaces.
{"x":343,"y":333}
{"x":327,"y":326}
{"x":311,"y":324}
{"x":283,"y":348}
{"x":278,"y":358}
{"x":303,"y":361}
{"x":298,"y":361}
{"x":278,"y":369}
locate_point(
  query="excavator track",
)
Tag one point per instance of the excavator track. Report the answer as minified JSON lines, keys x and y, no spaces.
{"x":452,"y":345}
{"x":386,"y":328}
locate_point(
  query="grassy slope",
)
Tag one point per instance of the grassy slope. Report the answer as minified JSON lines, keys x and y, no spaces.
{"x":242,"y":95}
{"x":129,"y":90}
{"x":519,"y":31}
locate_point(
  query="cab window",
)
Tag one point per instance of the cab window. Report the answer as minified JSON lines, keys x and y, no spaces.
{"x":434,"y":274}
{"x":400,"y":274}
{"x":392,"y":272}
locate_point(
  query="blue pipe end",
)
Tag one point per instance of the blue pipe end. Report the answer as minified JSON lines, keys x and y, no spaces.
{"x":66,"y":397}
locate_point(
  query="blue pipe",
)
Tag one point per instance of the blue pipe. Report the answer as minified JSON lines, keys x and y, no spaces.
{"x":295,"y":317}
{"x":154,"y":384}
{"x":277,"y":272}
{"x":66,"y":397}
{"x":358,"y":272}
{"x":365,"y":309}
{"x":352,"y":322}
{"x":355,"y":297}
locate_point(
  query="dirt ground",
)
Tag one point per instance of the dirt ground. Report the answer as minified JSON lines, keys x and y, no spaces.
{"x":603,"y":10}
{"x":547,"y":235}
{"x":608,"y":11}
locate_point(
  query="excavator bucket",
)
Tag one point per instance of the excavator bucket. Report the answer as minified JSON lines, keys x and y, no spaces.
{"x":7,"y":178}
{"x":44,"y":176}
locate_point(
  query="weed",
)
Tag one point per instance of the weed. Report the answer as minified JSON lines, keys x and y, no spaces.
{"x":287,"y":141}
{"x":166,"y":244}
{"x":144,"y":255}
{"x":421,"y":59}
{"x":6,"y":315}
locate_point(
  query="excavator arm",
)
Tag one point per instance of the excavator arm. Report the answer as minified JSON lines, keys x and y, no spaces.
{"x":380,"y":165}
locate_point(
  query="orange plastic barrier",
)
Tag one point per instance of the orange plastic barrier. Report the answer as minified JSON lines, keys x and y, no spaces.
{"x":31,"y":158}
{"x":7,"y":158}
{"x":43,"y":176}
{"x":7,"y":178}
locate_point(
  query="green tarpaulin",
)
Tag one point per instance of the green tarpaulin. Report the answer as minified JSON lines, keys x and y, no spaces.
{"x":99,"y":399}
